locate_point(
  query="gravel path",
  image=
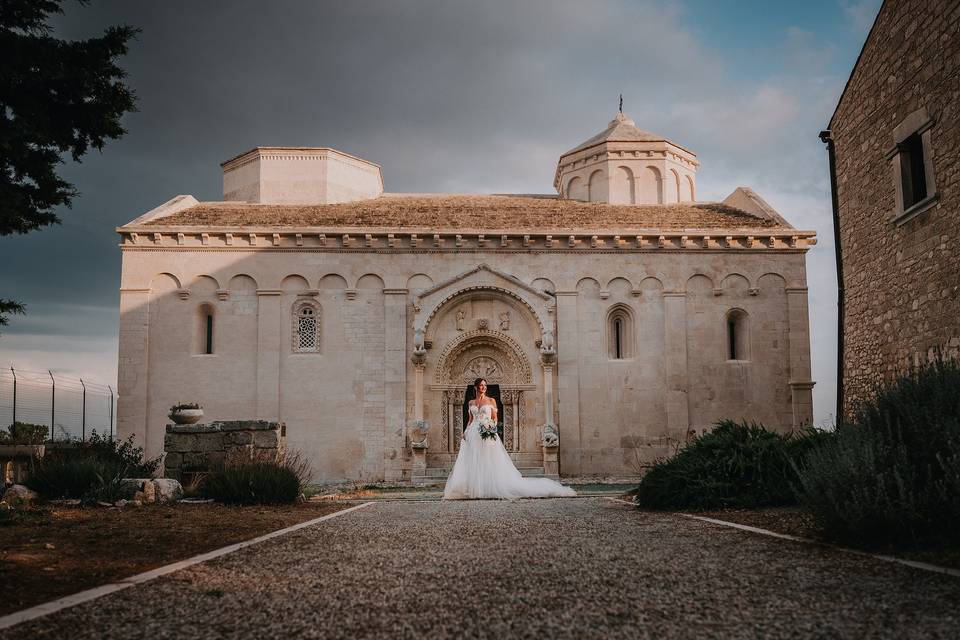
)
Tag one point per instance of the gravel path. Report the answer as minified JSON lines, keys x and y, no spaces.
{"x":535,"y":568}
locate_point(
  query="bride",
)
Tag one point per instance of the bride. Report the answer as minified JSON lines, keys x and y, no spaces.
{"x":484,"y":469}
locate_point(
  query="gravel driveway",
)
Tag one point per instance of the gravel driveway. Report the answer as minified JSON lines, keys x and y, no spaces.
{"x":566,"y":568}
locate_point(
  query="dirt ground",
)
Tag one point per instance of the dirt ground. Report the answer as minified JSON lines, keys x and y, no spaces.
{"x":48,"y":552}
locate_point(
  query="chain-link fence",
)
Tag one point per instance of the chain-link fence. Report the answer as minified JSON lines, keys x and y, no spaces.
{"x":72,"y":408}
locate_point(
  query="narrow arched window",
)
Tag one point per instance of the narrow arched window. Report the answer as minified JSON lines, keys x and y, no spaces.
{"x":306,"y":327}
{"x":204,"y":333}
{"x":738,"y":335}
{"x":620,"y":333}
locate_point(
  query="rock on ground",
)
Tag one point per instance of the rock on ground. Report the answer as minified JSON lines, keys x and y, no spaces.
{"x":562,"y":568}
{"x":18,"y":495}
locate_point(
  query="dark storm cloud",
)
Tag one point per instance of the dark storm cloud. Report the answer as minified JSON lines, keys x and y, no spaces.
{"x":445,"y":96}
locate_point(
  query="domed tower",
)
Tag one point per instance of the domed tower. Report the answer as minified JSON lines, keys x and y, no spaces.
{"x":627,"y":165}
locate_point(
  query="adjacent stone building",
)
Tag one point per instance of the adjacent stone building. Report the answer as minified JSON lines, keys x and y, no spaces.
{"x":612,"y":319}
{"x":896,"y":137}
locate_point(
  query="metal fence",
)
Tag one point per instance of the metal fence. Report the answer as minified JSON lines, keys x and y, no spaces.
{"x":72,"y":408}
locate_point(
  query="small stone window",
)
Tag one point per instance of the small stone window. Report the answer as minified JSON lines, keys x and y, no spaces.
{"x":913,"y":166}
{"x":738,"y":335}
{"x":620,"y":333}
{"x":306,"y":327}
{"x":203,"y":333}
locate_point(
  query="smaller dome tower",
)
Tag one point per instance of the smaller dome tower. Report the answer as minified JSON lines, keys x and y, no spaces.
{"x":627,"y":165}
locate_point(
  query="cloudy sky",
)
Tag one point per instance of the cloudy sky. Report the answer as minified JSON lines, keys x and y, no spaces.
{"x":446,"y":97}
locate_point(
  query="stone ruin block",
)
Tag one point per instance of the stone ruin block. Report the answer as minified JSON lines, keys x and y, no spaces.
{"x":201,"y":448}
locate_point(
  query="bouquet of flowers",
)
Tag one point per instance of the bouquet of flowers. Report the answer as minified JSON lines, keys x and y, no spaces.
{"x":487,"y":427}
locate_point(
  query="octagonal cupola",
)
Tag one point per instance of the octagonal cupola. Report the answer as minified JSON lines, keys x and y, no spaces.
{"x":627,"y":165}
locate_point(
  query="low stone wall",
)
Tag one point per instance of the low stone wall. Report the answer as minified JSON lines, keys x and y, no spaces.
{"x":197,"y":448}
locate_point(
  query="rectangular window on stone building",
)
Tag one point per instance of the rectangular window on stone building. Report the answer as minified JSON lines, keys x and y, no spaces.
{"x":912,"y":161}
{"x":912,"y":174}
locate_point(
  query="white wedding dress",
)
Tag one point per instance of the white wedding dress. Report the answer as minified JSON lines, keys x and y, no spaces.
{"x":484,"y":470}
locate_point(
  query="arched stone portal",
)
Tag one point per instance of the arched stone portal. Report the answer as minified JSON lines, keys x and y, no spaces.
{"x":483,"y":323}
{"x":493,"y":355}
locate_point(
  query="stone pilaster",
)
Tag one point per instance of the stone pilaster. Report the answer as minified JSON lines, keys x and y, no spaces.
{"x":132,"y":383}
{"x":675,"y":356}
{"x":269,"y":317}
{"x":395,"y":382}
{"x":568,"y":382}
{"x":801,"y":386}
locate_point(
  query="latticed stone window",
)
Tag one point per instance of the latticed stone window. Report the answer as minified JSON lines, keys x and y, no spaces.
{"x":306,"y":327}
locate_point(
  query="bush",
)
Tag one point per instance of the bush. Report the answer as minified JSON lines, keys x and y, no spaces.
{"x":892,"y":475}
{"x":267,"y":479}
{"x":90,"y":470}
{"x":121,"y":455}
{"x":734,"y":465}
{"x":58,"y":476}
{"x":253,"y":483}
{"x":24,"y":433}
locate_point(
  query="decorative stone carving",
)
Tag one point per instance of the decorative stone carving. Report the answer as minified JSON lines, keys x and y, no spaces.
{"x":483,"y":367}
{"x":483,"y":323}
{"x":500,"y":346}
{"x":546,"y":342}
{"x":550,"y":436}
{"x":461,"y":319}
{"x":505,"y":321}
{"x":419,"y":347}
{"x":417,"y":431}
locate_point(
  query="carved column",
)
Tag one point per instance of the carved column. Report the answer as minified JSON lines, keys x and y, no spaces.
{"x":269,"y":317}
{"x":395,"y":381}
{"x":675,"y":355}
{"x":801,"y":386}
{"x":418,"y":391}
{"x":568,"y":380}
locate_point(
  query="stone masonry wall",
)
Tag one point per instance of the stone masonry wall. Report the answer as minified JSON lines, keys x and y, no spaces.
{"x":902,"y":281}
{"x":192,"y":448}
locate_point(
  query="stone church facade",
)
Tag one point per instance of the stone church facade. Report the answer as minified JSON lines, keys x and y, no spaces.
{"x":896,"y":136}
{"x":614,"y":318}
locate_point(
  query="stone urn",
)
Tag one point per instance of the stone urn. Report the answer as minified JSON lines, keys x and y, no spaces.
{"x":186,"y":413}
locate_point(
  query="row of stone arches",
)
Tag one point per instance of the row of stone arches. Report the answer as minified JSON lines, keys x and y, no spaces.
{"x":650,"y":186}
{"x":242,"y":281}
{"x":699,"y":282}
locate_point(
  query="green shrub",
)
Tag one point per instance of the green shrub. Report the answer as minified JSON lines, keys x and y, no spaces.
{"x":24,"y":433}
{"x":734,"y":465}
{"x":253,"y":483}
{"x":892,"y":475}
{"x":90,"y":470}
{"x":58,"y":476}
{"x":121,"y":455}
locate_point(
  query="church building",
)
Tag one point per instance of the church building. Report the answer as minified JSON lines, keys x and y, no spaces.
{"x":612,"y":319}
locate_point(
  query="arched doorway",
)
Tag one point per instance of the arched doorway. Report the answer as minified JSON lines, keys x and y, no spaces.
{"x":482,"y":354}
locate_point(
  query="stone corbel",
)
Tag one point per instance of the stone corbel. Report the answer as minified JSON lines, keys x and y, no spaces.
{"x":753,"y":291}
{"x":183,"y":293}
{"x":351,"y":294}
{"x":419,"y":356}
{"x":604,"y":294}
{"x":223,"y":294}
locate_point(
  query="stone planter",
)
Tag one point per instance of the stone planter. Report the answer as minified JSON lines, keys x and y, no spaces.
{"x":186,"y":416}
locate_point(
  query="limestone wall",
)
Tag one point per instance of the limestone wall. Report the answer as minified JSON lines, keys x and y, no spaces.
{"x":901,"y":277}
{"x":346,"y":405}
